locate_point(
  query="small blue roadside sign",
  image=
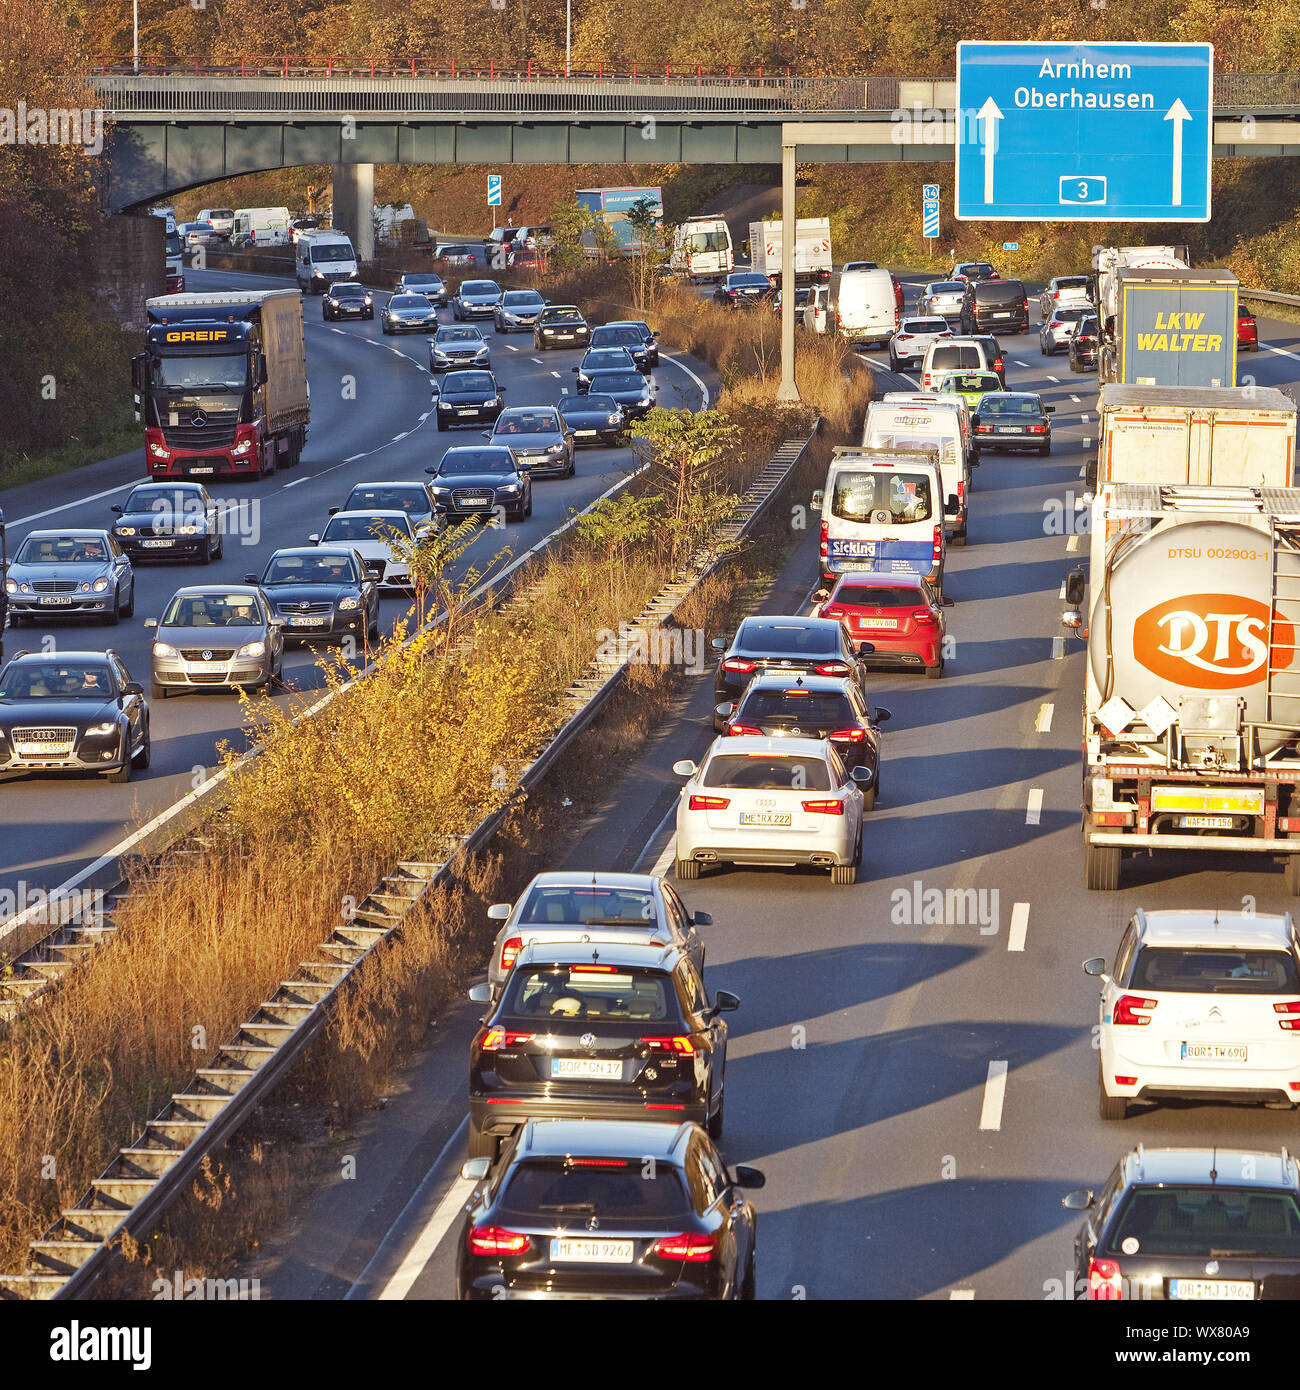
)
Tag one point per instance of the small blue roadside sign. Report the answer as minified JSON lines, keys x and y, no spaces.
{"x":1011,"y":246}
{"x":930,"y":209}
{"x":1084,"y":132}
{"x":494,"y":190}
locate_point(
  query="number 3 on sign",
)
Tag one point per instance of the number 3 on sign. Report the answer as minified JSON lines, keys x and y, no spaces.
{"x":1091,"y":188}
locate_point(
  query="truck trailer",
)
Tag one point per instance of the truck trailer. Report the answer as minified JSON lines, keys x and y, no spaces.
{"x":1171,"y":327}
{"x":221,"y":386}
{"x":612,"y":205}
{"x":1191,"y":716}
{"x":812,"y":250}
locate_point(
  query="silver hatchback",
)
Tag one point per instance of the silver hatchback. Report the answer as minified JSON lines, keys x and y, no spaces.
{"x":223,"y":636}
{"x":943,"y":298}
{"x":1056,"y":330}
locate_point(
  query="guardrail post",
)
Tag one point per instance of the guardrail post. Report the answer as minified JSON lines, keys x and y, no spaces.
{"x":760,"y":72}
{"x":492,"y":72}
{"x":633,"y":72}
{"x":453,"y":67}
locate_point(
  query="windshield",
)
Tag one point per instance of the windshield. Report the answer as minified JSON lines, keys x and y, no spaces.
{"x":569,"y":991}
{"x":365,"y":528}
{"x":226,"y":373}
{"x":480,"y":287}
{"x":748,"y":281}
{"x":527,"y":422}
{"x":422,"y":282}
{"x":385,"y":499}
{"x":789,"y":639}
{"x":586,"y":903}
{"x":167,"y":500}
{"x":878,"y":596}
{"x":1069,"y":315}
{"x":925,"y":326}
{"x":866,"y":496}
{"x":588,"y":404}
{"x":948,"y":355}
{"x":559,"y":316}
{"x":1207,"y":1222}
{"x":522,"y":299}
{"x":970,"y":382}
{"x":613,"y":338}
{"x":795,"y":707}
{"x":623,"y":381}
{"x":321,"y":254}
{"x":606,"y":359}
{"x":1010,"y":405}
{"x":470,"y":383}
{"x":458,"y":335}
{"x":347,"y":289}
{"x":999,"y":292}
{"x":614,"y":1187}
{"x":1221,"y":970}
{"x":476,"y":461}
{"x":1072,"y":282}
{"x":409,"y":301}
{"x":708,"y":241}
{"x":948,"y":287}
{"x":766,"y":772}
{"x":57,"y":680}
{"x":60,"y":550}
{"x":310,"y":569}
{"x":212,"y":610}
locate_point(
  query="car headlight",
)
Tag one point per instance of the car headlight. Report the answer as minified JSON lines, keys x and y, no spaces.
{"x":100,"y":730}
{"x":164,"y":649}
{"x":100,"y":585}
{"x":555,"y":449}
{"x":11,"y":586}
{"x":440,"y":489}
{"x":188,"y":530}
{"x":159,"y":452}
{"x":495,"y":400}
{"x":346,"y":605}
{"x":126,"y":530}
{"x":509,"y":488}
{"x":614,"y":420}
{"x":251,"y":649}
{"x":367,"y":300}
{"x":242,"y":447}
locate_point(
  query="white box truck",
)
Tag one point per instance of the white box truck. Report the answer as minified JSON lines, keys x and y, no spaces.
{"x":1191,"y":716}
{"x":1202,"y":436}
{"x":812,"y":250}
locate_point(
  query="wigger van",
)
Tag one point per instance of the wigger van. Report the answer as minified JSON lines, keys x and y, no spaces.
{"x":949,"y":398}
{"x":926,"y":426}
{"x":882,"y":511}
{"x":866,"y":308}
{"x":321,"y":258}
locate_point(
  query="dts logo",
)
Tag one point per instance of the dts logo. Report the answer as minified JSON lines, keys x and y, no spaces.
{"x":1211,"y":641}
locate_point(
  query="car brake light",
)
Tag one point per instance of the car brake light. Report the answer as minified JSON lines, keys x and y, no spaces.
{"x":1024,"y":304}
{"x":825,"y":537}
{"x":1288,"y":1025}
{"x":1037,"y":429}
{"x":739,"y":664}
{"x":596,"y":1162}
{"x":499,"y":1038}
{"x":924,"y":615}
{"x":832,"y":668}
{"x":510,"y":948}
{"x":824,"y":808}
{"x":1124,"y":1010}
{"x":961,"y":488}
{"x":1056,"y":323}
{"x":1056,"y":294}
{"x":683,"y":1046}
{"x":743,"y":729}
{"x":708,"y":803}
{"x":594,"y":969}
{"x":496,"y":1240}
{"x":849,"y":735}
{"x":693,"y":1247}
{"x":832,"y":610}
{"x":983,"y":429}
{"x":938,"y":543}
{"x":1104,"y":1282}
{"x":905,"y":337}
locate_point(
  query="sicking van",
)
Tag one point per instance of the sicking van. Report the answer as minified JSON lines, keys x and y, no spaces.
{"x":882,"y":511}
{"x":926,"y":425}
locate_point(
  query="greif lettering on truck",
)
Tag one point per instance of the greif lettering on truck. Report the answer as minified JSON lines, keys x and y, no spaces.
{"x":197,"y":335}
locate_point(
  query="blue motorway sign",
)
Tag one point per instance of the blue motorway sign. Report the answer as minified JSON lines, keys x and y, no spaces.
{"x":494,"y":190}
{"x":1084,"y":132}
{"x":930,"y":212}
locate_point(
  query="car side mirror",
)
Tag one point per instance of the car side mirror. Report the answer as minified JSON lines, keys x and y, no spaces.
{"x":948,"y":602}
{"x":702,"y":919}
{"x":480,"y":994}
{"x":498,"y":912}
{"x":151,"y":622}
{"x":574,"y":370}
{"x":432,"y":468}
{"x":334,"y":511}
{"x":684,"y":767}
{"x":250,"y":579}
{"x":745,"y":1176}
{"x":861,"y":776}
{"x":1050,"y":409}
{"x":724,"y":711}
{"x":815,"y":502}
{"x":724,"y":1002}
{"x":313,"y":539}
{"x":1075,"y":583}
{"x":866,"y":648}
{"x":476,"y":1169}
{"x":1082,"y":1199}
{"x":974,"y":420}
{"x":883,"y":715}
{"x":132,"y":688}
{"x":279,"y":622}
{"x":954,"y":501}
{"x":718,"y":644}
{"x":117,"y":510}
{"x":1096,"y":967}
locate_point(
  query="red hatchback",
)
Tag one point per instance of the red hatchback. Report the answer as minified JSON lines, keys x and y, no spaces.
{"x":900,"y":615}
{"x":1247,"y":330}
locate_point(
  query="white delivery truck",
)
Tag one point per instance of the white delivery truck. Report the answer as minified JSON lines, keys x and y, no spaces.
{"x":1191,"y":718}
{"x":926,"y":426}
{"x":261,"y":227}
{"x":865,"y":306}
{"x":1236,"y":436}
{"x":702,"y":249}
{"x":321,"y":258}
{"x":812,"y":250}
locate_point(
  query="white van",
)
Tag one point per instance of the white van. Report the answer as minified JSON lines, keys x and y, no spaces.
{"x":865,"y":306}
{"x":702,"y":249}
{"x":261,"y":227}
{"x":882,"y":510}
{"x":954,"y":402}
{"x":321,"y":258}
{"x":916,"y":426}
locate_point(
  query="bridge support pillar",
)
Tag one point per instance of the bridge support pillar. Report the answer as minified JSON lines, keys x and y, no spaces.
{"x":354,"y":205}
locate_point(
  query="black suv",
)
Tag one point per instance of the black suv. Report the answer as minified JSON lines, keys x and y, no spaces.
{"x":815,"y":646}
{"x":597,"y":1031}
{"x":995,"y":306}
{"x":561,"y":325}
{"x":1083,"y":345}
{"x":623,"y":1209}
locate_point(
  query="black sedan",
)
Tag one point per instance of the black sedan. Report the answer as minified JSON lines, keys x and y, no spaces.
{"x":561,"y":325}
{"x":160,"y":521}
{"x":631,"y":339}
{"x":468,"y":398}
{"x":592,"y":419}
{"x":538,"y":438}
{"x":1013,"y":420}
{"x":1083,"y":346}
{"x":72,"y":712}
{"x":624,"y":1209}
{"x":634,"y":392}
{"x":345,"y":299}
{"x":480,"y":481}
{"x":623,"y":1032}
{"x":414,"y":499}
{"x":814,"y":646}
{"x":321,"y":591}
{"x":608,"y":359}
{"x":742,"y":287}
{"x":647,"y":335}
{"x":408,"y":313}
{"x":424,"y":282}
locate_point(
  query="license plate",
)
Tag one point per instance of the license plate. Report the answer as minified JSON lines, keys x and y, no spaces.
{"x":157,"y":545}
{"x":1205,"y":822}
{"x":1011,"y":429}
{"x":1213,"y":1052}
{"x":1235,"y":1289}
{"x":764,"y":818}
{"x":1002,"y":314}
{"x":203,"y":470}
{"x":590,"y":1068}
{"x":877,"y":622}
{"x":467,"y":412}
{"x":478,"y":501}
{"x":603,"y":1252}
{"x":42,"y":750}
{"x":48,"y":602}
{"x":308,"y":622}
{"x":585,"y":434}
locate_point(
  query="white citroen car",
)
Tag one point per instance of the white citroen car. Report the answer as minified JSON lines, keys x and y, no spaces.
{"x":1200,"y":1005}
{"x":369,"y":533}
{"x":760,"y":800}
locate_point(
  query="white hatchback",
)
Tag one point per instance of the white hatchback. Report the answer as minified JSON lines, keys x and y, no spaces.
{"x":760,"y":800}
{"x":369,"y":533}
{"x":1200,"y":1005}
{"x":907,"y":346}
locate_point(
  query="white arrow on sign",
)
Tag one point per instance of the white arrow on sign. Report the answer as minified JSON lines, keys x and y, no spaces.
{"x":1178,"y":113}
{"x":988,"y":114}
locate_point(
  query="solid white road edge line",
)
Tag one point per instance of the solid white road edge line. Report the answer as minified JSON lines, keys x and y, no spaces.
{"x":995,"y":1093}
{"x":668,"y":815}
{"x":1019,"y":926}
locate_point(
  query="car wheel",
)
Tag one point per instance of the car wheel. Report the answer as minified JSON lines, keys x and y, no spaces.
{"x":1044,"y":450}
{"x":844,"y":874}
{"x":123,"y":773}
{"x":114,"y":616}
{"x":715,"y":1121}
{"x":517,"y":513}
{"x":220,"y":549}
{"x":749,"y":1285}
{"x":481,"y":1145}
{"x":528,"y":510}
{"x":869,"y":796}
{"x":142,"y":758}
{"x":958,"y":538}
{"x":687,"y":869}
{"x":934,"y":672}
{"x":893,"y":363}
{"x":157,"y":691}
{"x":205,"y":551}
{"x":573,"y":467}
{"x":441,"y":426}
{"x":1109,"y":1107}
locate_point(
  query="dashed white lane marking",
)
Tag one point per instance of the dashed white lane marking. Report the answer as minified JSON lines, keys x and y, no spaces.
{"x":1083,"y":415}
{"x":1019,"y":363}
{"x":338,"y":330}
{"x":295,"y":483}
{"x":1076,"y":399}
{"x":1034,"y":806}
{"x":556,"y":375}
{"x":424,"y":417}
{"x":1019,"y":926}
{"x":995,"y":1093}
{"x":1043,"y":724}
{"x":668,"y":856}
{"x":67,"y":506}
{"x":539,"y":361}
{"x":354,"y":458}
{"x":1083,"y":470}
{"x":961,"y":1294}
{"x":512,"y":347}
{"x":1062,"y":593}
{"x":1056,"y":379}
{"x":1087,"y":441}
{"x":1072,"y":543}
{"x":396,"y":437}
{"x":1058,"y":648}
